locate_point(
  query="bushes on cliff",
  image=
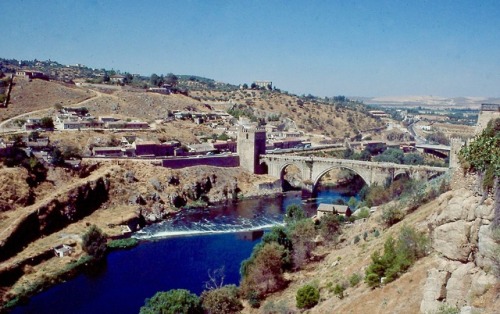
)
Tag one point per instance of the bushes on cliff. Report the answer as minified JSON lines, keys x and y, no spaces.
{"x":302,"y":234}
{"x":398,"y":256}
{"x":329,"y":226}
{"x":262,"y":273}
{"x":221,"y":300}
{"x":294,"y":213}
{"x":94,"y":242}
{"x":483,"y":154}
{"x":176,"y":301}
{"x":307,"y":297}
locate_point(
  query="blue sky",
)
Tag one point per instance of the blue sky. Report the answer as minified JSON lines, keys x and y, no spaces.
{"x":326,"y":48}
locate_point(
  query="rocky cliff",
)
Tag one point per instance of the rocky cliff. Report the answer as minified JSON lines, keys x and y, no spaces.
{"x":55,"y":212}
{"x":468,"y":252}
{"x":460,"y":274}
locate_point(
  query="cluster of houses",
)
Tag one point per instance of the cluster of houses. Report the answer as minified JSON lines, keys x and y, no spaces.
{"x":73,"y":119}
{"x":38,"y":147}
{"x":31,"y":74}
{"x":77,"y":119}
{"x":151,"y":149}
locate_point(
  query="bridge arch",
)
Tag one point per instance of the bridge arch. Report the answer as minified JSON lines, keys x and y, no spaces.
{"x":264,"y":167}
{"x":398,"y":174}
{"x":294,"y":181}
{"x":291,"y":163}
{"x":322,"y":173}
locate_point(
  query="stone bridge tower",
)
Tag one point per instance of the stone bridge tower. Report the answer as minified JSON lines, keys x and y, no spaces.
{"x":251,"y":144}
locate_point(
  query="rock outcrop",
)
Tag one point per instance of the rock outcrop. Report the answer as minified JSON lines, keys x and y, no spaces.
{"x":55,"y":212}
{"x":463,"y":238}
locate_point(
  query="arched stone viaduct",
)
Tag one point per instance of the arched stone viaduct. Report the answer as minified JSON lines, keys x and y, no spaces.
{"x":313,"y":168}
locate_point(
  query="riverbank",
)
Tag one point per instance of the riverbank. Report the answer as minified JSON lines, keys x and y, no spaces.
{"x":258,"y":210}
{"x":135,"y":191}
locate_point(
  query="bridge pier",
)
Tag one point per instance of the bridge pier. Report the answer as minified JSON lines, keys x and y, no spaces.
{"x":313,"y":168}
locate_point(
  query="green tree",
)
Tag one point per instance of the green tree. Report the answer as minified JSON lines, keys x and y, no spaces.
{"x":307,"y":297}
{"x":154,"y":80}
{"x":483,"y":154}
{"x":57,"y":157}
{"x":176,"y":301}
{"x":302,"y":234}
{"x":352,"y":203}
{"x":222,"y":300}
{"x":329,"y":226}
{"x":94,"y":242}
{"x":398,"y":256}
{"x":47,"y":123}
{"x":263,"y":272}
{"x":413,"y":159}
{"x":390,"y":155}
{"x":171,"y":79}
{"x":294,"y":213}
{"x":438,"y":138}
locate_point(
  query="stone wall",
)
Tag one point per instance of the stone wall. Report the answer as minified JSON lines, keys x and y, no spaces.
{"x":216,"y":161}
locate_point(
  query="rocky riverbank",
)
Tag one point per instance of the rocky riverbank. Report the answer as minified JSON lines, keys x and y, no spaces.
{"x":112,"y":196}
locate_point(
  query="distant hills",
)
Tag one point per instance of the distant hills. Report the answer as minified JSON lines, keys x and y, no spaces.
{"x":428,"y":101}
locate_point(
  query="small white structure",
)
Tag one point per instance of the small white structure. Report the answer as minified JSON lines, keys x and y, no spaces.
{"x":63,"y":250}
{"x":325,"y":209}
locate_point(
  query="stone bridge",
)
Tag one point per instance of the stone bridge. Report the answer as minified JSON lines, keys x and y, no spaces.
{"x":313,"y":168}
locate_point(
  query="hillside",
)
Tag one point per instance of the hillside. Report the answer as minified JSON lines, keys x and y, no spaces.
{"x":37,"y":95}
{"x":318,"y":119}
{"x":458,"y":273}
{"x":311,"y":115}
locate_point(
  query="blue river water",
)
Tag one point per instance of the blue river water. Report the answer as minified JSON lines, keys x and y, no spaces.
{"x":173,"y":254}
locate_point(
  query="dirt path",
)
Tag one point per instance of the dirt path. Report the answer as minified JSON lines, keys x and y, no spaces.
{"x":4,"y":123}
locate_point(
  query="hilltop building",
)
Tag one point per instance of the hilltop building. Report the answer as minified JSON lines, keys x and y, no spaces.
{"x":264,"y":84}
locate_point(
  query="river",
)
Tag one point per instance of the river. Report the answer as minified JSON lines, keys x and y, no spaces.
{"x":173,"y":254}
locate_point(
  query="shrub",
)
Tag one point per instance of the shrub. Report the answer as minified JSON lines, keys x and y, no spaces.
{"x":329,"y":226}
{"x":175,"y":301}
{"x":392,"y":215}
{"x":363,"y":213}
{"x":355,"y":279}
{"x":302,"y":234}
{"x":356,"y":239}
{"x":222,"y":300}
{"x":279,"y":307}
{"x":262,"y":273}
{"x":339,"y":291}
{"x":307,"y":297}
{"x":447,"y":309}
{"x":123,"y":243}
{"x":94,"y":242}
{"x":294,"y":213}
{"x":398,"y":256}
